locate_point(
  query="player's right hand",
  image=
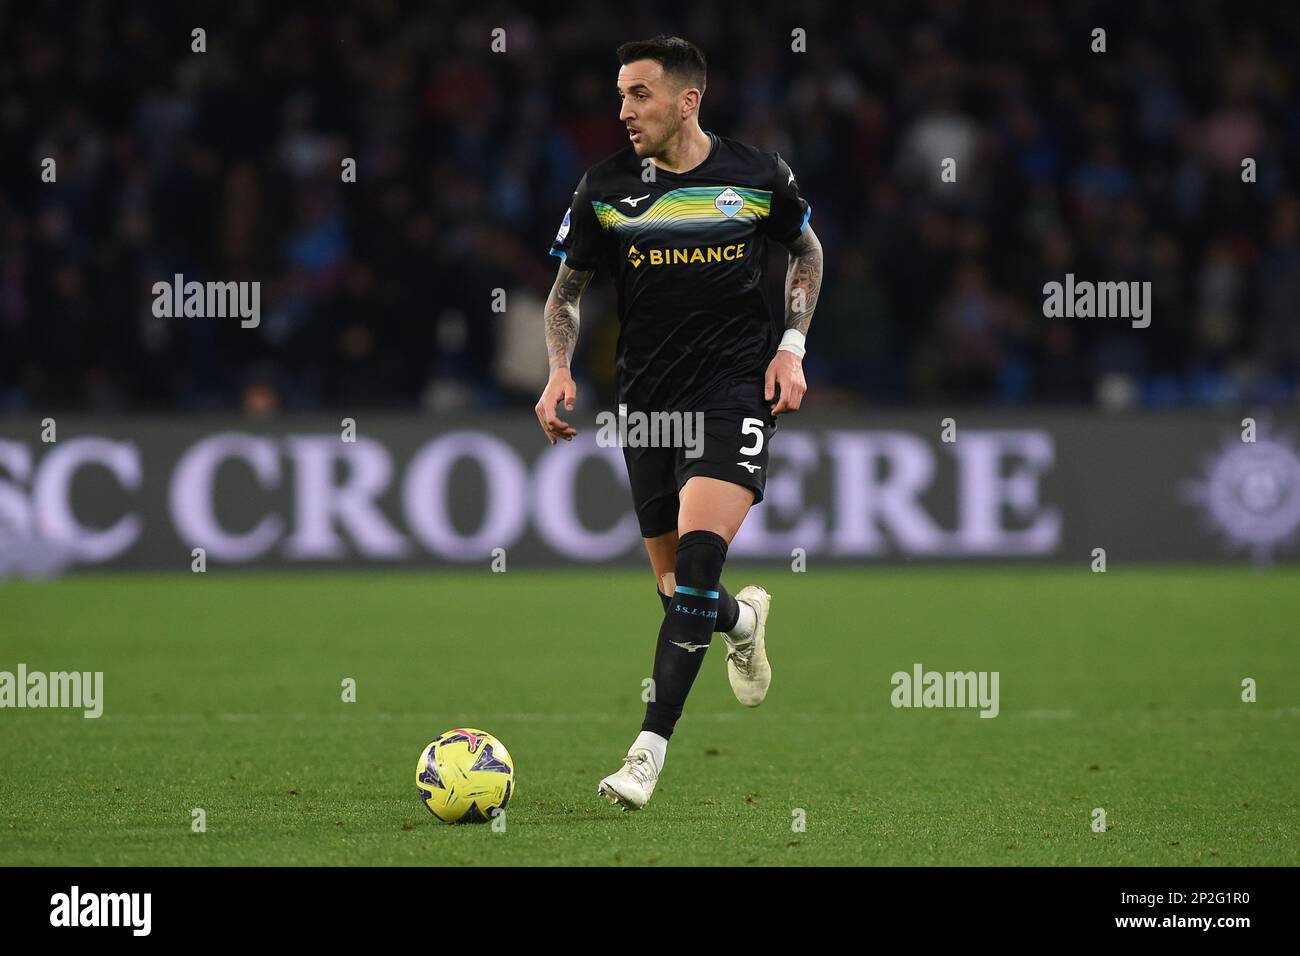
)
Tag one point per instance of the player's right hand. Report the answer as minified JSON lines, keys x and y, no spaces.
{"x":560,"y":388}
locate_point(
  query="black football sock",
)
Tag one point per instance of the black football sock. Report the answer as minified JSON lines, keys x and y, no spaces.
{"x":728,"y":609}
{"x":687,"y":629}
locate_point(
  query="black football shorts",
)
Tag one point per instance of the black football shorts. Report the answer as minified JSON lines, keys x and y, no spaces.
{"x":737,"y":426}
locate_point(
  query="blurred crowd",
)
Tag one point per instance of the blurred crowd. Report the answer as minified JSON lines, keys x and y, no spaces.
{"x":1122,"y":165}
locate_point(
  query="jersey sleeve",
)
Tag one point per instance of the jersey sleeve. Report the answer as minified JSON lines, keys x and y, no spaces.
{"x":788,"y":216}
{"x":578,"y":242}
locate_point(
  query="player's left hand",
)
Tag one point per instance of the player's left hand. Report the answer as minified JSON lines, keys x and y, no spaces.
{"x":785,"y":370}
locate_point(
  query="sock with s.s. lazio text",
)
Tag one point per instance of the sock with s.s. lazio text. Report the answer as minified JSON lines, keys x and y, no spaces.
{"x":687,"y":628}
{"x":729,"y":611}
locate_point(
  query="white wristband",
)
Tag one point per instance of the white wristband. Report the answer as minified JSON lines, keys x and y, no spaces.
{"x":792,"y":341}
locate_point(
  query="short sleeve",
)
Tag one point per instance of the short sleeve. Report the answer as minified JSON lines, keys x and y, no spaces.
{"x":578,"y":243}
{"x":788,"y":216}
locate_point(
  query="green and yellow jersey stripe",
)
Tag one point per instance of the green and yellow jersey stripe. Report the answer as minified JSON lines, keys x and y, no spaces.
{"x":685,"y":207}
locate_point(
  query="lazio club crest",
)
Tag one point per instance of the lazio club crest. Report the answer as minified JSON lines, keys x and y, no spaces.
{"x":729,"y":202}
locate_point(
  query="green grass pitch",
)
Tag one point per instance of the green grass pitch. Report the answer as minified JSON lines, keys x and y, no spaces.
{"x":223,"y":692}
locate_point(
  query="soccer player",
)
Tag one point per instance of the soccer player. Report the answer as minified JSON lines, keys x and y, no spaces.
{"x":680,"y":220}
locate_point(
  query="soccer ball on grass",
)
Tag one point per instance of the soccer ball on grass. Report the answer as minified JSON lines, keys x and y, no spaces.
{"x":465,"y":776}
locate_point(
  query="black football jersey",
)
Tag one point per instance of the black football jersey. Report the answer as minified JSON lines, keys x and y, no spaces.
{"x":687,"y":255}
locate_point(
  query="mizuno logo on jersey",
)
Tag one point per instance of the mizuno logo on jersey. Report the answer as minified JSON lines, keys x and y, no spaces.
{"x":632,"y":202}
{"x":749,"y":466}
{"x":684,"y":257}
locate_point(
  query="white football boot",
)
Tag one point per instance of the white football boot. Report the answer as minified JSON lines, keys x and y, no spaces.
{"x":747,"y":665}
{"x":631,"y":787}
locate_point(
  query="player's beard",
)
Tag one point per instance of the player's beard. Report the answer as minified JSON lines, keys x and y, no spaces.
{"x":656,"y":151}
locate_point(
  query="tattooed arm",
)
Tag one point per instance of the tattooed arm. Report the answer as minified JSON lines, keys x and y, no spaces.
{"x":803,"y":280}
{"x":803,"y":283}
{"x":561,"y":338}
{"x":562,"y":316}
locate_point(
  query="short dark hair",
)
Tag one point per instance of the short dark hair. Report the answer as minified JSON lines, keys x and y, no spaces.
{"x":682,"y":58}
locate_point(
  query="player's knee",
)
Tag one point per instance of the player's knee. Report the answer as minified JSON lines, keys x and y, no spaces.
{"x":700,"y":556}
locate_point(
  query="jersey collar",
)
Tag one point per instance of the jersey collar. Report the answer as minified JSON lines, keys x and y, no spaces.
{"x":713,"y":149}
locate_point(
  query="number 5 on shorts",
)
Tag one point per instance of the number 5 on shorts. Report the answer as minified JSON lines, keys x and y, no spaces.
{"x":752,"y":426}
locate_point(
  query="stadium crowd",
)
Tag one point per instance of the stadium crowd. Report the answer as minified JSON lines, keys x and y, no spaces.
{"x":225,"y":165}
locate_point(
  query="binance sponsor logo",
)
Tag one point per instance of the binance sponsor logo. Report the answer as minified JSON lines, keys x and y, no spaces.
{"x":699,"y":255}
